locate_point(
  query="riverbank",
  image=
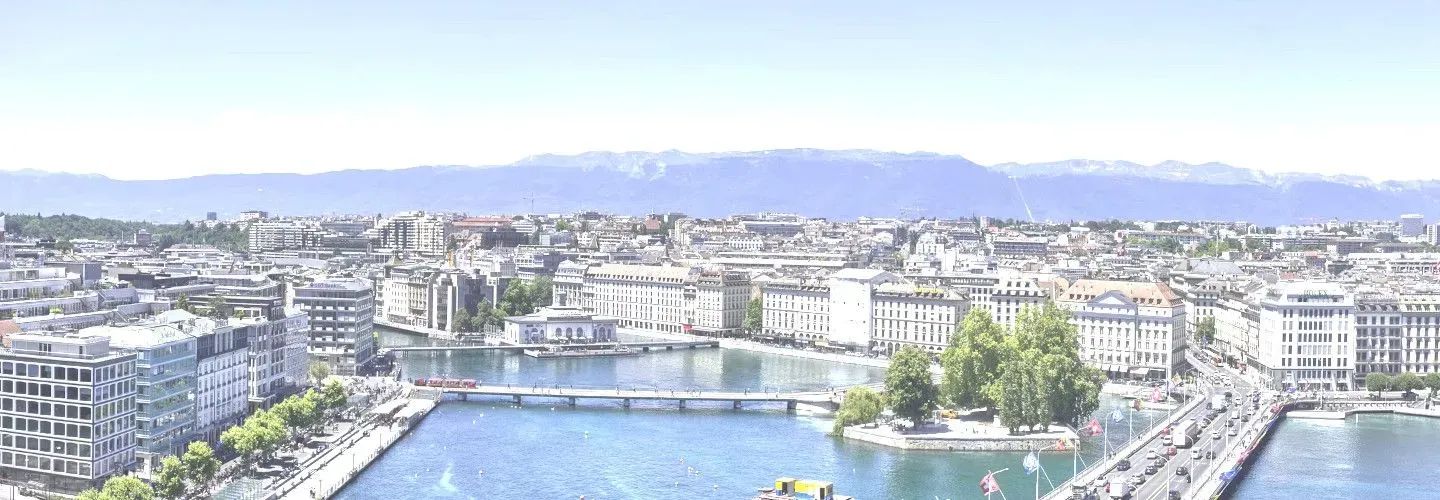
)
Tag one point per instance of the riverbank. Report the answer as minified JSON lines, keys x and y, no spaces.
{"x":959,"y":435}
{"x":1342,"y":415}
{"x":354,"y":451}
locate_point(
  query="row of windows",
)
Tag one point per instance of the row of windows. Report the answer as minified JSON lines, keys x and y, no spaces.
{"x":38,"y":426}
{"x":45,"y":390}
{"x":65,"y":373}
{"x":41,"y":408}
{"x":71,"y":467}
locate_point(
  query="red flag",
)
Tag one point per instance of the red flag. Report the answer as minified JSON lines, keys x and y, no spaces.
{"x":1093,"y":428}
{"x":1060,"y":444}
{"x":988,"y":484}
{"x":1155,"y":396}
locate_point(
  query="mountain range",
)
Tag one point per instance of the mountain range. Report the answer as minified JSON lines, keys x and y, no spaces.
{"x":823,"y":183}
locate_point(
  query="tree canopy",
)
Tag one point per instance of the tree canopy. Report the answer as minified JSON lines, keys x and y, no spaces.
{"x":754,"y":316}
{"x":972,"y":361}
{"x":120,"y":488}
{"x":1378,"y":382}
{"x":861,"y":405}
{"x":909,"y":390}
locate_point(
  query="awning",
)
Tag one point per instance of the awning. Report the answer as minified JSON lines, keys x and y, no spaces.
{"x":1139,"y":371}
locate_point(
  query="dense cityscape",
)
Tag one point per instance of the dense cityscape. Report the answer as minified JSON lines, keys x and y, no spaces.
{"x":205,"y":369}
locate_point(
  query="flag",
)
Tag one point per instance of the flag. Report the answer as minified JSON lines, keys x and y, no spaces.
{"x":1031,"y":463}
{"x":1060,"y":444}
{"x":1155,"y":395}
{"x":1093,"y":428}
{"x":988,"y":484}
{"x":1117,"y":416}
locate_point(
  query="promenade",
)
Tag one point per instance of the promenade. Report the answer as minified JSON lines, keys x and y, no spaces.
{"x":349,"y":455}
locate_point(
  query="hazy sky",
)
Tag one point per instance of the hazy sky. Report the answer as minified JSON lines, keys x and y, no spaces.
{"x":172,"y":89}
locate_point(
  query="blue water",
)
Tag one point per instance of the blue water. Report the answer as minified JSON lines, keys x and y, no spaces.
{"x":1365,"y":456}
{"x":600,"y":450}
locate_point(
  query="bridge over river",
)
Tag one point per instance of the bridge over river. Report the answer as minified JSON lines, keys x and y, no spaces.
{"x":814,"y":400}
{"x":638,"y":346}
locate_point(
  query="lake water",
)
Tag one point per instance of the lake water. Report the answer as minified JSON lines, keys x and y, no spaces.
{"x":1365,"y":456}
{"x":492,"y":449}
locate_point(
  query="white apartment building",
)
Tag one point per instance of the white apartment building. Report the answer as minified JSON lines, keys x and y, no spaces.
{"x":278,"y":356}
{"x":421,"y":296}
{"x":341,"y":312}
{"x":1421,"y":333}
{"x":1307,"y":336}
{"x":796,"y":311}
{"x":1012,"y":293}
{"x":266,"y":236}
{"x":1379,"y":335}
{"x":667,"y":298}
{"x":67,"y":410}
{"x":852,"y":308}
{"x":1128,"y":329}
{"x":906,"y":314}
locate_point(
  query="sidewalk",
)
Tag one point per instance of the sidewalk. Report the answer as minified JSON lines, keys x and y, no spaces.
{"x":342,"y":462}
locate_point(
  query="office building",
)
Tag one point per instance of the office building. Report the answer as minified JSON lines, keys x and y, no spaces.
{"x":341,"y":312}
{"x":1127,"y":329}
{"x":69,"y":406}
{"x":165,"y":389}
{"x":1307,"y":336}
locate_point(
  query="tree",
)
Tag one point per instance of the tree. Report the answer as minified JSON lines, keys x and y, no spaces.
{"x":126,"y":488}
{"x":1407,"y":382}
{"x":462,"y":321}
{"x":183,"y":303}
{"x":319,"y":371}
{"x":1432,"y":382}
{"x":334,"y":395}
{"x":1205,"y":330}
{"x":540,"y":292}
{"x":241,"y":440}
{"x":754,"y":316}
{"x":562,"y":225}
{"x":1378,"y":382}
{"x":972,"y":361}
{"x":296,"y":412}
{"x":516,"y":299}
{"x":908,"y":388}
{"x":218,"y":308}
{"x":861,"y":405}
{"x":200,"y":465}
{"x":170,"y":479}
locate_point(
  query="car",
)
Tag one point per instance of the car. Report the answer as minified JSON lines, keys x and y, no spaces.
{"x":1165,"y":440}
{"x":1122,"y":465}
{"x":1137,"y":480}
{"x":1182,"y":471}
{"x":1170,"y":451}
{"x":1229,"y":423}
{"x":1215,"y":434}
{"x":1151,"y":469}
{"x":1196,"y":454}
{"x":1151,"y":455}
{"x":1234,"y":414}
{"x":1234,"y":431}
{"x":1174,"y":495}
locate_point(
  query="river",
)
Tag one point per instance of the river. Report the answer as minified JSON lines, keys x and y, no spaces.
{"x":1364,"y":456}
{"x":492,"y":449}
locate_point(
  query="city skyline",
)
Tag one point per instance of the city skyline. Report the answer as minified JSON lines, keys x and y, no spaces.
{"x":168,"y":91}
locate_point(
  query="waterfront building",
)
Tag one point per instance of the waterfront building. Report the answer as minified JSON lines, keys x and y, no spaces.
{"x":568,"y":324}
{"x":1379,"y":335}
{"x":907,"y":314}
{"x":852,"y":309}
{"x":1307,"y":336}
{"x":1421,"y":333}
{"x":668,"y":298}
{"x":165,"y":390}
{"x":1127,"y":329}
{"x":341,"y":312}
{"x":68,"y":403}
{"x":795,"y":311}
{"x":424,"y":296}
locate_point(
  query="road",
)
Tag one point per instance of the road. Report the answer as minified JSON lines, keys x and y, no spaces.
{"x":1164,"y":480}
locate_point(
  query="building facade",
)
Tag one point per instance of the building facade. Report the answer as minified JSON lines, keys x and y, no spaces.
{"x":69,"y":407}
{"x":1128,"y":329}
{"x":560,"y":324}
{"x":341,"y":312}
{"x":1307,"y":336}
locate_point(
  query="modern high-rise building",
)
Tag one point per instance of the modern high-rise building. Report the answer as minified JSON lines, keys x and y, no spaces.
{"x":165,"y":394}
{"x":413,"y":232}
{"x":341,"y":312}
{"x":68,"y":404}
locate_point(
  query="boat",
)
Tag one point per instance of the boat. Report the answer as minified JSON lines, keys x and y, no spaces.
{"x":789,"y":488}
{"x":557,"y":352}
